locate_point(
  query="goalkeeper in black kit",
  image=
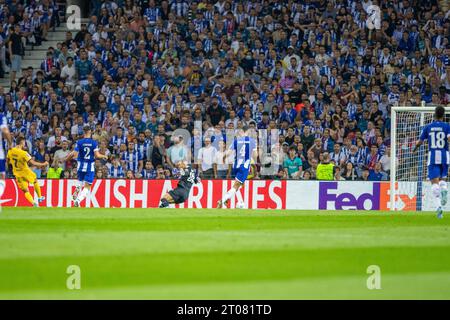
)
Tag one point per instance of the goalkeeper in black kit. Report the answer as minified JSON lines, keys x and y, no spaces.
{"x":181,"y":192}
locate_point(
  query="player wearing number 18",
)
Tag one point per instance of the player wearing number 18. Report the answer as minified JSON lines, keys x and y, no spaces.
{"x":437,"y":134}
{"x":86,"y":151}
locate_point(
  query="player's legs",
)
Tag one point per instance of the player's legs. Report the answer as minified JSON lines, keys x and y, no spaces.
{"x":83,"y":193}
{"x":443,"y":185}
{"x":37,"y":188}
{"x":240,"y":177}
{"x":88,"y":180}
{"x":2,"y":177}
{"x":79,"y":186}
{"x":22,"y":183}
{"x":2,"y":189}
{"x":2,"y":186}
{"x":434,"y":174}
{"x":436,"y":192}
{"x":444,"y":192}
{"x":77,"y":190}
{"x":230,"y":194}
{"x":166,"y":200}
{"x":177,"y":195}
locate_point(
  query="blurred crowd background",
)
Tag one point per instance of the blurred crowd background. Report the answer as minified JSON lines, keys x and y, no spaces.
{"x":323,"y":74}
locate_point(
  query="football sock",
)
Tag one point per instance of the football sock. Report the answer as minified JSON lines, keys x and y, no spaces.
{"x":2,"y":187}
{"x":436,"y":193}
{"x":229,"y":195}
{"x":77,"y":191}
{"x":29,"y":197}
{"x":37,"y":188}
{"x":164,"y":203}
{"x":444,"y":192}
{"x":82,"y":194}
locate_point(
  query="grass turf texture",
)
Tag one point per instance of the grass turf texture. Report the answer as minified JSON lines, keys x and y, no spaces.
{"x":222,"y":254}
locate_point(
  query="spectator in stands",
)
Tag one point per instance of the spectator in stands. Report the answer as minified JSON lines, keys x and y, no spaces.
{"x":178,"y":152}
{"x":62,"y":153}
{"x":15,"y":49}
{"x":338,"y":174}
{"x":385,"y":162}
{"x":156,"y":153}
{"x":349,"y":172}
{"x":148,"y":172}
{"x":221,"y":165}
{"x":205,"y":160}
{"x":293,"y":164}
{"x":116,"y":169}
{"x":376,"y":174}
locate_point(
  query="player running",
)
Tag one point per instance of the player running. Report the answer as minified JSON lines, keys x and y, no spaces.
{"x":19,"y":159}
{"x":4,"y":134}
{"x":86,"y":151}
{"x":437,"y":134}
{"x":244,"y":149}
{"x":181,"y":192}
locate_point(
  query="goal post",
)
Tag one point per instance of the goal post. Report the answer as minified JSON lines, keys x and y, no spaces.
{"x":409,"y":186}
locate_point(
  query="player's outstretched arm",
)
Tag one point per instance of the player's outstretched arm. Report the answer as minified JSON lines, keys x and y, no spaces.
{"x":418,"y":144}
{"x":38,"y":164}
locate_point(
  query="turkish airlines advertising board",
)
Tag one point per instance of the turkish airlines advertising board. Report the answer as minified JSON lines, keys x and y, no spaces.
{"x":119,"y":193}
{"x":256,"y":194}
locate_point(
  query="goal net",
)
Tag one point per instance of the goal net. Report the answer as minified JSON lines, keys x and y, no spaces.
{"x":410,"y":188}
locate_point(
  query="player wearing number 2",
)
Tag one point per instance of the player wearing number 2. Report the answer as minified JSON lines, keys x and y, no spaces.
{"x":244,"y":149}
{"x":86,"y":151}
{"x":437,"y":135}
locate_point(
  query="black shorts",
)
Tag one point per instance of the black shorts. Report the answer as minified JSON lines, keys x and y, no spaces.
{"x":179,"y":195}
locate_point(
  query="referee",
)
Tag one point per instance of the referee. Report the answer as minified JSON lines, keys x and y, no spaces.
{"x":325,"y":170}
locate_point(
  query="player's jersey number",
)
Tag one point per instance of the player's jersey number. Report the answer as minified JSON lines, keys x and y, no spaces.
{"x":243,"y":155}
{"x":191,"y":178}
{"x":437,"y":140}
{"x":87,"y":153}
{"x":15,"y":162}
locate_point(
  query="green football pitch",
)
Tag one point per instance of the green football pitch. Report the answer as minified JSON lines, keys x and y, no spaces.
{"x":222,"y":254}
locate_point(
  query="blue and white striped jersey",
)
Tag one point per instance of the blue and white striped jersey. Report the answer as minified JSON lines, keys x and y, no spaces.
{"x":116,"y":172}
{"x":131,"y":160}
{"x":437,"y":133}
{"x":86,"y":148}
{"x":243,"y":147}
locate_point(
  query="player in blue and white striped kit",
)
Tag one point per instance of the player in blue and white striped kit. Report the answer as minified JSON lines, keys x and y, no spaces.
{"x":437,"y":135}
{"x":244,"y":149}
{"x":4,"y":134}
{"x":86,"y":151}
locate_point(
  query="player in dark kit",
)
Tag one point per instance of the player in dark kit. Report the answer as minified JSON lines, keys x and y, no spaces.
{"x":181,"y":192}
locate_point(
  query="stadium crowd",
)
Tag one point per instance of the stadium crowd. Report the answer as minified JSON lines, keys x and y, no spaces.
{"x":322,"y":73}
